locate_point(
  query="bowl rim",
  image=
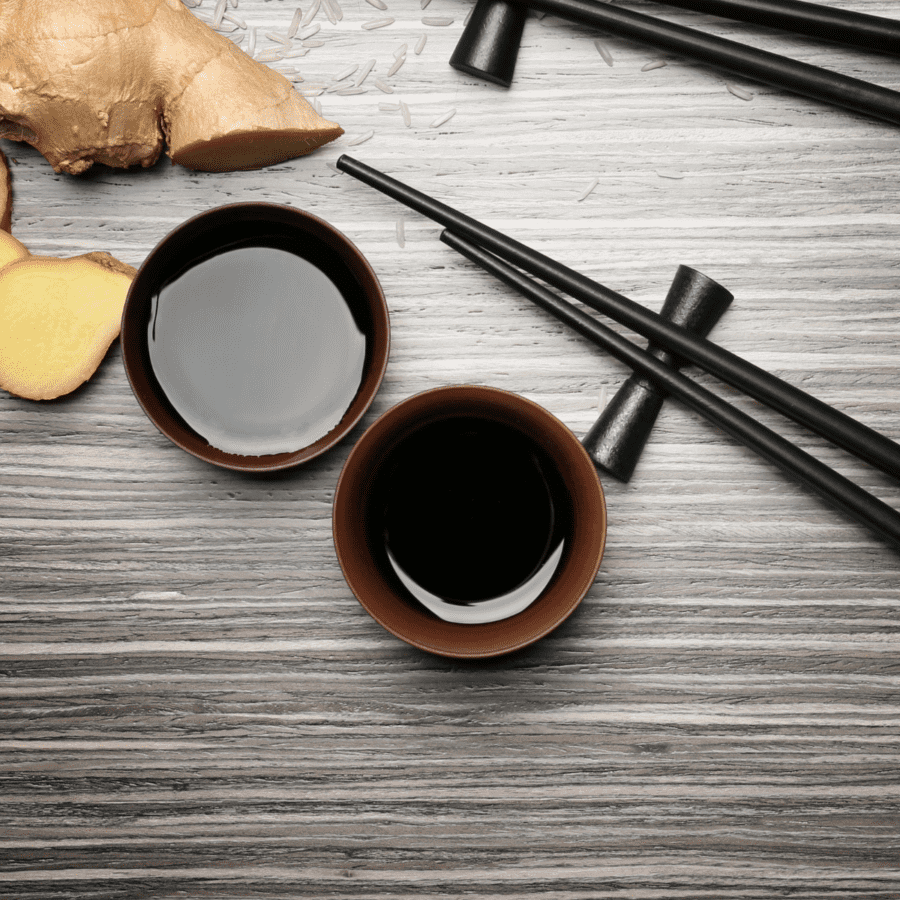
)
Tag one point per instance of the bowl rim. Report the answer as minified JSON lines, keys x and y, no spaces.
{"x":417,"y":627}
{"x":145,"y":388}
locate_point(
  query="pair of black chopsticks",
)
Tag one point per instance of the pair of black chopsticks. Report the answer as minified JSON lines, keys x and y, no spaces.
{"x":873,"y":33}
{"x":505,"y":257}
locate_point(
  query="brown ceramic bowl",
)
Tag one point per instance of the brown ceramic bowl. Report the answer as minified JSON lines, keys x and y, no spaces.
{"x":361,"y":554}
{"x":278,"y":228}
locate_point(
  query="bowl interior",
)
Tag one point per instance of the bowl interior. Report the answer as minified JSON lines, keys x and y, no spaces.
{"x":260,"y":224}
{"x":380,"y":593}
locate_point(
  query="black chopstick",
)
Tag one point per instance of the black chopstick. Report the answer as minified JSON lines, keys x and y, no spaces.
{"x":758,"y":65}
{"x":800,"y":465}
{"x":835,"y":426}
{"x":827,"y":23}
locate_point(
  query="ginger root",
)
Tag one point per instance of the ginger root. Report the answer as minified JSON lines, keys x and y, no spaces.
{"x":5,"y":195}
{"x":105,"y":81}
{"x":58,"y":318}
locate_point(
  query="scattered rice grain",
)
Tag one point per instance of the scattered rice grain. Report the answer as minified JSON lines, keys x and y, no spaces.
{"x":377,"y":23}
{"x":657,"y":64}
{"x":313,"y":44}
{"x":604,"y":53}
{"x":400,"y":231}
{"x":294,"y":27}
{"x":366,"y":71}
{"x":251,"y":43}
{"x":338,"y":11}
{"x":219,"y":12}
{"x":361,"y":139}
{"x":382,"y":86}
{"x":235,"y":20}
{"x":236,"y":39}
{"x":589,"y":190}
{"x":309,"y":31}
{"x":378,"y":4}
{"x":400,"y":51}
{"x":404,"y":111}
{"x":441,"y":120}
{"x":334,"y":168}
{"x":329,"y":11}
{"x":350,"y":90}
{"x":268,"y":56}
{"x":279,"y":39}
{"x":346,"y":73}
{"x":311,"y":12}
{"x":738,"y":92}
{"x":298,"y":51}
{"x":420,"y":43}
{"x":395,"y":67}
{"x":192,"y":4}
{"x":437,"y":20}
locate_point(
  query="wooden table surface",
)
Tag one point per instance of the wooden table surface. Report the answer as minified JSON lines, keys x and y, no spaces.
{"x":195,"y":705}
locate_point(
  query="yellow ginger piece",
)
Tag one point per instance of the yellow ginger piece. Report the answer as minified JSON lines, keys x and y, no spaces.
{"x":58,"y":318}
{"x":107,"y":81}
{"x":11,"y":249}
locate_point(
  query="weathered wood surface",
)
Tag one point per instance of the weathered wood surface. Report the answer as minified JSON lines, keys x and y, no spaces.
{"x":194,"y":705}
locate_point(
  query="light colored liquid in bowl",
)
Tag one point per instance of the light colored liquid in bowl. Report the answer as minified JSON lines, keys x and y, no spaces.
{"x":257,"y":350}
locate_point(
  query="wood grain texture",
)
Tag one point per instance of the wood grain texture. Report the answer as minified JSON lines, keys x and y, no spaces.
{"x":194,"y":704}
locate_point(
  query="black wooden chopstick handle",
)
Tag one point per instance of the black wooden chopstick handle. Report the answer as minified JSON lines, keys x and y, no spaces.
{"x":819,"y":417}
{"x":797,"y":463}
{"x":758,"y":65}
{"x":827,"y":23}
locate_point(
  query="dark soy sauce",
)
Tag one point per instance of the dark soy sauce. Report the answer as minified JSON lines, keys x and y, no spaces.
{"x":472,"y":519}
{"x":256,"y":349}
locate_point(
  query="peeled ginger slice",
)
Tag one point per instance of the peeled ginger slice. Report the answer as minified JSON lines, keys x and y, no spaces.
{"x":11,"y":249}
{"x":58,"y":318}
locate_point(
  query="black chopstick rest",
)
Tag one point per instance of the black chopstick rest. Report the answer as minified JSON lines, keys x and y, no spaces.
{"x":618,"y":437}
{"x":489,"y":45}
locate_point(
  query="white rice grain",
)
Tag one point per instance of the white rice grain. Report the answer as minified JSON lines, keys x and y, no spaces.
{"x":378,"y":4}
{"x":313,"y":44}
{"x":279,"y":39}
{"x":738,"y":92}
{"x":336,"y":8}
{"x":350,"y":91}
{"x":236,"y":39}
{"x":400,"y":231}
{"x":395,"y":68}
{"x":295,"y":53}
{"x":235,"y":20}
{"x":312,"y":12}
{"x":251,"y":43}
{"x":294,"y":27}
{"x":377,"y":23}
{"x":420,"y":43}
{"x":589,"y":191}
{"x":366,"y":71}
{"x":604,"y":53}
{"x":382,"y":86}
{"x":328,"y":9}
{"x":219,"y":12}
{"x":346,"y":73}
{"x":439,"y":21}
{"x":442,"y":120}
{"x":268,"y":56}
{"x":404,"y":111}
{"x":400,"y":51}
{"x":657,"y":64}
{"x":309,"y":31}
{"x":361,"y":139}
